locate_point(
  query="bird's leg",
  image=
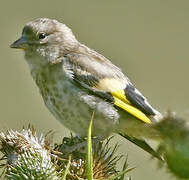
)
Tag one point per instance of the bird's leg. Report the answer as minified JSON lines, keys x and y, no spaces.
{"x":76,"y":144}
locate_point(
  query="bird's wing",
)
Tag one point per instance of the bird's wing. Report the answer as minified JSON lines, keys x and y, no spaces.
{"x":100,"y":77}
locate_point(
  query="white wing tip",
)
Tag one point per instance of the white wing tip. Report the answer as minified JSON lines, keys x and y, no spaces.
{"x":158,"y":116}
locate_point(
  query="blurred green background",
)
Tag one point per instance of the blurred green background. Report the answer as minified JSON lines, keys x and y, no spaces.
{"x":148,"y":39}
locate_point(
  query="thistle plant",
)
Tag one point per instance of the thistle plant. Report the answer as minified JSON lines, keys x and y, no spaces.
{"x":28,"y":156}
{"x":25,"y":155}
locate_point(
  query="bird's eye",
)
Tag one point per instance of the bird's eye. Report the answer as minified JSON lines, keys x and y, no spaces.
{"x":42,"y":35}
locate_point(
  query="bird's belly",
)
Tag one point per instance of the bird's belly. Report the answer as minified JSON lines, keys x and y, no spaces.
{"x":74,"y":108}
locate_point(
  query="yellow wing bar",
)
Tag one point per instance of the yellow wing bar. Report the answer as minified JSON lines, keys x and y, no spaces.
{"x":120,"y":94}
{"x":115,"y":88}
{"x":132,"y":110}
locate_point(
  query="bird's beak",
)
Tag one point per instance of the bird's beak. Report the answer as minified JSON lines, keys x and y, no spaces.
{"x":21,"y":43}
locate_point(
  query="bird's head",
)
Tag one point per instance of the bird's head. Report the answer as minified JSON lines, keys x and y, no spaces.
{"x":46,"y":37}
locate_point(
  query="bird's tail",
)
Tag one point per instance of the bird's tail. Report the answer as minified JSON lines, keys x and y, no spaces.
{"x":143,"y":145}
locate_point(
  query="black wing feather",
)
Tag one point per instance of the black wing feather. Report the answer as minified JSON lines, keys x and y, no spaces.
{"x":138,"y":100}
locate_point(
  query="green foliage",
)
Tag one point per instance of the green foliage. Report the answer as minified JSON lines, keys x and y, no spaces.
{"x":174,"y":145}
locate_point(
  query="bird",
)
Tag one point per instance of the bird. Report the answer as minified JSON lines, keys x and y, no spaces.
{"x":75,"y":81}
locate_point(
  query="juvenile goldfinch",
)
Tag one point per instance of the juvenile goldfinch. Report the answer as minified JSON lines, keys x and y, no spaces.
{"x":75,"y":80}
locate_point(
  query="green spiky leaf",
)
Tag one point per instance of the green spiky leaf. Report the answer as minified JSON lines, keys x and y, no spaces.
{"x":89,"y":154}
